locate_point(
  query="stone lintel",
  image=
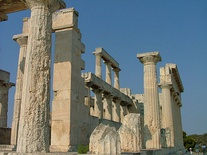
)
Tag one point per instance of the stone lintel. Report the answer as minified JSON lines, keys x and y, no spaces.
{"x":107,"y":89}
{"x":176,"y":76}
{"x":65,"y":18}
{"x":170,"y":74}
{"x":10,"y":6}
{"x":106,"y":57}
{"x":149,"y":57}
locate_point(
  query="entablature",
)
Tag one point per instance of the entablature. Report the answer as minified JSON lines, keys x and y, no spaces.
{"x":95,"y":82}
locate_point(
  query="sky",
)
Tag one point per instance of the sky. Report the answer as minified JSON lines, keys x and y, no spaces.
{"x":124,"y":28}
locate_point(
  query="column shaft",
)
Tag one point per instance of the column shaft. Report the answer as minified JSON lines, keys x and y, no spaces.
{"x":33,"y":133}
{"x":151,"y":108}
{"x":167,"y":114}
{"x":98,"y":105}
{"x":116,"y":111}
{"x":108,"y":107}
{"x":116,"y":79}
{"x":108,"y":72}
{"x":4,"y":91}
{"x":22,"y":41}
{"x":3,"y":106}
{"x":98,"y":69}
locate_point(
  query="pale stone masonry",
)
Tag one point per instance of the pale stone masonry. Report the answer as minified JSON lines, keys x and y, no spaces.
{"x":84,"y":103}
{"x":68,"y":99}
{"x":151,"y":100}
{"x":21,"y":39}
{"x":5,"y":85}
{"x":33,"y":134}
{"x":172,"y":87}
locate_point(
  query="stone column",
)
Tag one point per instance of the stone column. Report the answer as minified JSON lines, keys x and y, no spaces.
{"x":22,"y":41}
{"x":108,"y":72}
{"x":98,"y":105}
{"x":116,"y":78}
{"x":33,"y":135}
{"x":179,"y":130}
{"x":167,"y":113}
{"x":108,"y":107}
{"x":98,"y":69}
{"x":116,"y":110}
{"x":123,"y":112}
{"x":5,"y":85}
{"x":151,"y":102}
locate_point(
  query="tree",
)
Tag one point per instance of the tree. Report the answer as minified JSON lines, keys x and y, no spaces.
{"x":189,"y":142}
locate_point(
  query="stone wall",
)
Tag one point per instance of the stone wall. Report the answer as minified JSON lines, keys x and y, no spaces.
{"x":5,"y":135}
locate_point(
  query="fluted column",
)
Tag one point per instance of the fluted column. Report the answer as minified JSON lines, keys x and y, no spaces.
{"x":108,"y":72}
{"x":98,"y":105}
{"x":108,"y":107}
{"x":167,"y":113}
{"x":116,"y":110}
{"x":22,"y":41}
{"x":33,"y":135}
{"x":151,"y":102}
{"x":116,"y":78}
{"x":4,"y":91}
{"x":98,"y":69}
{"x":180,"y":128}
{"x":123,"y":112}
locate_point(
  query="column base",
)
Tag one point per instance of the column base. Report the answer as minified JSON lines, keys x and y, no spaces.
{"x":7,"y":148}
{"x":62,"y":148}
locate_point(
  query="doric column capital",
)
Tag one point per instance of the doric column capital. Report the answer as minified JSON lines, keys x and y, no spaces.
{"x":149,"y":58}
{"x":165,"y":85}
{"x":6,"y":85}
{"x":21,"y":39}
{"x":116,"y":70}
{"x":52,"y":5}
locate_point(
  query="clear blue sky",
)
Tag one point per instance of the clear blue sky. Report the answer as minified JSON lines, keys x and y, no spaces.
{"x":175,"y":28}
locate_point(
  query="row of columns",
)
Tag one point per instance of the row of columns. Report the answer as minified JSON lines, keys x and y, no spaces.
{"x":105,"y":107}
{"x":171,"y":103}
{"x":101,"y":55}
{"x":112,"y":108}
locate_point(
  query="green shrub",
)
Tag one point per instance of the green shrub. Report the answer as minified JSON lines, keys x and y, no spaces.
{"x":83,"y":149}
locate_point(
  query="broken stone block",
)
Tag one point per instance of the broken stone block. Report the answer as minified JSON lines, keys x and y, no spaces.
{"x":130,"y":133}
{"x":104,"y":140}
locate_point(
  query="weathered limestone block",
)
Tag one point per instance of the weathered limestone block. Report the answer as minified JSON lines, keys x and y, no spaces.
{"x":130,"y":133}
{"x":105,"y":140}
{"x":33,"y":134}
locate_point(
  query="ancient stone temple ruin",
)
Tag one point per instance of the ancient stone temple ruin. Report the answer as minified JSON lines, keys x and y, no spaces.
{"x":86,"y":109}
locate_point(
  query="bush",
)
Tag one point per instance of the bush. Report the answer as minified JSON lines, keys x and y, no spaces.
{"x":83,"y":149}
